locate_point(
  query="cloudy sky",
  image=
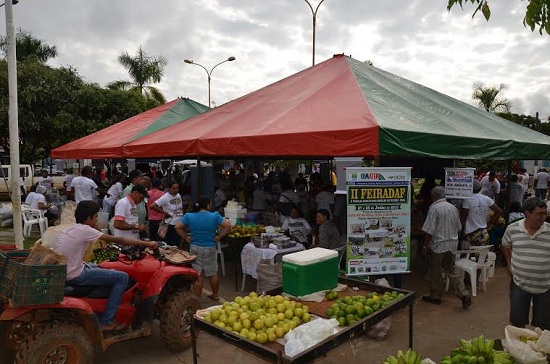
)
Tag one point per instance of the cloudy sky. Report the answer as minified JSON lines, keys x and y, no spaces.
{"x":415,"y":39}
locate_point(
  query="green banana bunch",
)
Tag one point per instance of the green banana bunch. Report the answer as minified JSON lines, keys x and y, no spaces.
{"x":477,"y":351}
{"x":409,"y":357}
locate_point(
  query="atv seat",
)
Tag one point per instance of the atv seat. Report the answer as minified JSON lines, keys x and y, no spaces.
{"x":87,"y":291}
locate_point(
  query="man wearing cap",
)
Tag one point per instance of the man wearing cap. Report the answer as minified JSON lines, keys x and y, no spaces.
{"x":136,"y":178}
{"x":83,"y":187}
{"x":490,"y":186}
{"x":126,"y":220}
{"x":473,"y":216}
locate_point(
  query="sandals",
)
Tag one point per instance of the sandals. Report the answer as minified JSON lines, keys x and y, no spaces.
{"x":213,"y":298}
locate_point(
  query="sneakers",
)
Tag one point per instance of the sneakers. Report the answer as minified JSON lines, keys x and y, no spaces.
{"x":466,"y":301}
{"x":430,"y":299}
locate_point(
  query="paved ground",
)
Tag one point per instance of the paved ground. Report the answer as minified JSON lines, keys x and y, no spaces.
{"x":437,"y":329}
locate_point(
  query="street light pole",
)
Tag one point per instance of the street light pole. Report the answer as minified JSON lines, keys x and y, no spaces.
{"x":209,"y":73}
{"x":314,"y":14}
{"x":13,"y":125}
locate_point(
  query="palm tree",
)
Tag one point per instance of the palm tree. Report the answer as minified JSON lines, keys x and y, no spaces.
{"x":29,"y":47}
{"x":487,"y":97}
{"x":143,"y":69}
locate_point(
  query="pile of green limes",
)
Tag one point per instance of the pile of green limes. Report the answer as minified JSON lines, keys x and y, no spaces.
{"x":350,"y":309}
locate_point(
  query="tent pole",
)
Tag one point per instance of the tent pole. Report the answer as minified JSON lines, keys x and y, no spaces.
{"x":198,"y":178}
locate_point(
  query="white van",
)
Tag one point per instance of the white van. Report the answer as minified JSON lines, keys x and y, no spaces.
{"x":5,"y":177}
{"x":28,"y":178}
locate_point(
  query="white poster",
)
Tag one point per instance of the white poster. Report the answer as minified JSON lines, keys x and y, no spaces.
{"x":459,"y":182}
{"x":379,"y":220}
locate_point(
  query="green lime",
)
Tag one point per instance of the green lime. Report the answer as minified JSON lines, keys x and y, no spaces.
{"x":342,"y":321}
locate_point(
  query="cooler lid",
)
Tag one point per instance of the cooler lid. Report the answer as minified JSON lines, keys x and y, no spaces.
{"x":311,"y":256}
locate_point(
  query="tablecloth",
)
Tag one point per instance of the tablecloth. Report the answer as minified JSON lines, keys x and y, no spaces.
{"x":251,"y":256}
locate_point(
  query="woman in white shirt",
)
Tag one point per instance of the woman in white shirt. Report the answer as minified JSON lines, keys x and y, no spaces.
{"x":39,"y":202}
{"x":170,"y":204}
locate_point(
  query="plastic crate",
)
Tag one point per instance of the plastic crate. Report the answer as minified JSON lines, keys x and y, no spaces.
{"x":29,"y":285}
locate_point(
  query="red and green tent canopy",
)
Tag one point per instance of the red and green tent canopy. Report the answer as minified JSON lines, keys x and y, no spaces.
{"x":108,"y":142}
{"x":344,"y":107}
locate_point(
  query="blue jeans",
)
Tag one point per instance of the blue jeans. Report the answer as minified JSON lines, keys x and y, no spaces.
{"x":520,"y":305}
{"x":92,"y":275}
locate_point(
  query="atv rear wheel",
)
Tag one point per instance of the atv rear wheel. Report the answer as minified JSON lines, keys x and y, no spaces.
{"x":175,"y":320}
{"x":56,"y":343}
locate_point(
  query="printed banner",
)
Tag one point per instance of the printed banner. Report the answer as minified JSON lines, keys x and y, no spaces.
{"x":459,"y":182}
{"x":379,"y":220}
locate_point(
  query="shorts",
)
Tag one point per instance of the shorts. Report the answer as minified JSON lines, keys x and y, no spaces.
{"x":206,"y":261}
{"x":478,"y":237}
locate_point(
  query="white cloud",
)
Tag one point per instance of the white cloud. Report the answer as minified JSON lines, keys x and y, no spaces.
{"x":418,"y":40}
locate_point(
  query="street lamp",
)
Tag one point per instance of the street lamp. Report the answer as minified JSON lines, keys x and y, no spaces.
{"x":13,"y":125}
{"x":314,"y":14}
{"x":209,"y":73}
{"x":13,"y":2}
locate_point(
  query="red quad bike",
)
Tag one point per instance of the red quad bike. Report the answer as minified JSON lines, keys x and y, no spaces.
{"x":69,"y":332}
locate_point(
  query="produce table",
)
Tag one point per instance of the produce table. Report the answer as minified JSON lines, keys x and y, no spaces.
{"x":274,"y":352}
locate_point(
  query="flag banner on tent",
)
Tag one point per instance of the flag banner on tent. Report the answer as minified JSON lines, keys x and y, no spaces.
{"x":379,"y":220}
{"x":459,"y":182}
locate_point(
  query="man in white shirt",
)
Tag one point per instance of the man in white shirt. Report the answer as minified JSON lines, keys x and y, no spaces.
{"x":325,"y":200}
{"x":490,"y":186}
{"x":474,"y":216}
{"x":83,"y":187}
{"x":46,"y":181}
{"x":442,"y":226}
{"x":136,"y":178}
{"x":126,"y":221}
{"x":523,"y":178}
{"x":67,"y":181}
{"x":542,"y":181}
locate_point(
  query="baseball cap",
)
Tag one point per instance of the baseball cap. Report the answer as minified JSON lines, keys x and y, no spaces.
{"x":135,"y":173}
{"x":141,"y":190}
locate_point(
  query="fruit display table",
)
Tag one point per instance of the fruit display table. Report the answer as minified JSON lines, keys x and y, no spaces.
{"x":274,"y":351}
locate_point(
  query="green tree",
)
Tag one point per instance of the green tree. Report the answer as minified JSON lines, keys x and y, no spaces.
{"x":536,"y":14}
{"x":531,"y":122}
{"x":143,"y":70}
{"x":488,"y":97}
{"x":57,"y":106}
{"x":28,"y":47}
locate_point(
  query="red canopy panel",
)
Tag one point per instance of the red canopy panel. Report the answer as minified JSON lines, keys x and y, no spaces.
{"x":317,"y":112}
{"x":107,"y":142}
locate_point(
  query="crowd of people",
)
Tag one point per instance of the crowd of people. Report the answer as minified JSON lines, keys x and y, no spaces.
{"x":524,"y":244}
{"x":146,"y":208}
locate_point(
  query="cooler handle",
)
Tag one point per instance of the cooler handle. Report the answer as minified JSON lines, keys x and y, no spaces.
{"x":291,"y":268}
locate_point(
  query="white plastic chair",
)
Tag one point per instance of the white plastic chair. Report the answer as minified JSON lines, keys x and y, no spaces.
{"x":222,"y":258}
{"x":341,"y":252}
{"x":33,"y":217}
{"x":470,"y":264}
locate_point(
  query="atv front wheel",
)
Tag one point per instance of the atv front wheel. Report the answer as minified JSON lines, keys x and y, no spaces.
{"x":56,"y":343}
{"x":175,"y":320}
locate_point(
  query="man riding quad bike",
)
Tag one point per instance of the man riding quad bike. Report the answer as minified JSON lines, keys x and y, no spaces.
{"x":72,"y":331}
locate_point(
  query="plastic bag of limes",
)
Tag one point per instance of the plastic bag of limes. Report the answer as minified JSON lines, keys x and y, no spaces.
{"x":103,"y":254}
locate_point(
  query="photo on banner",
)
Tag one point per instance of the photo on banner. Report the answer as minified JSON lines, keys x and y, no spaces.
{"x":379,"y":220}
